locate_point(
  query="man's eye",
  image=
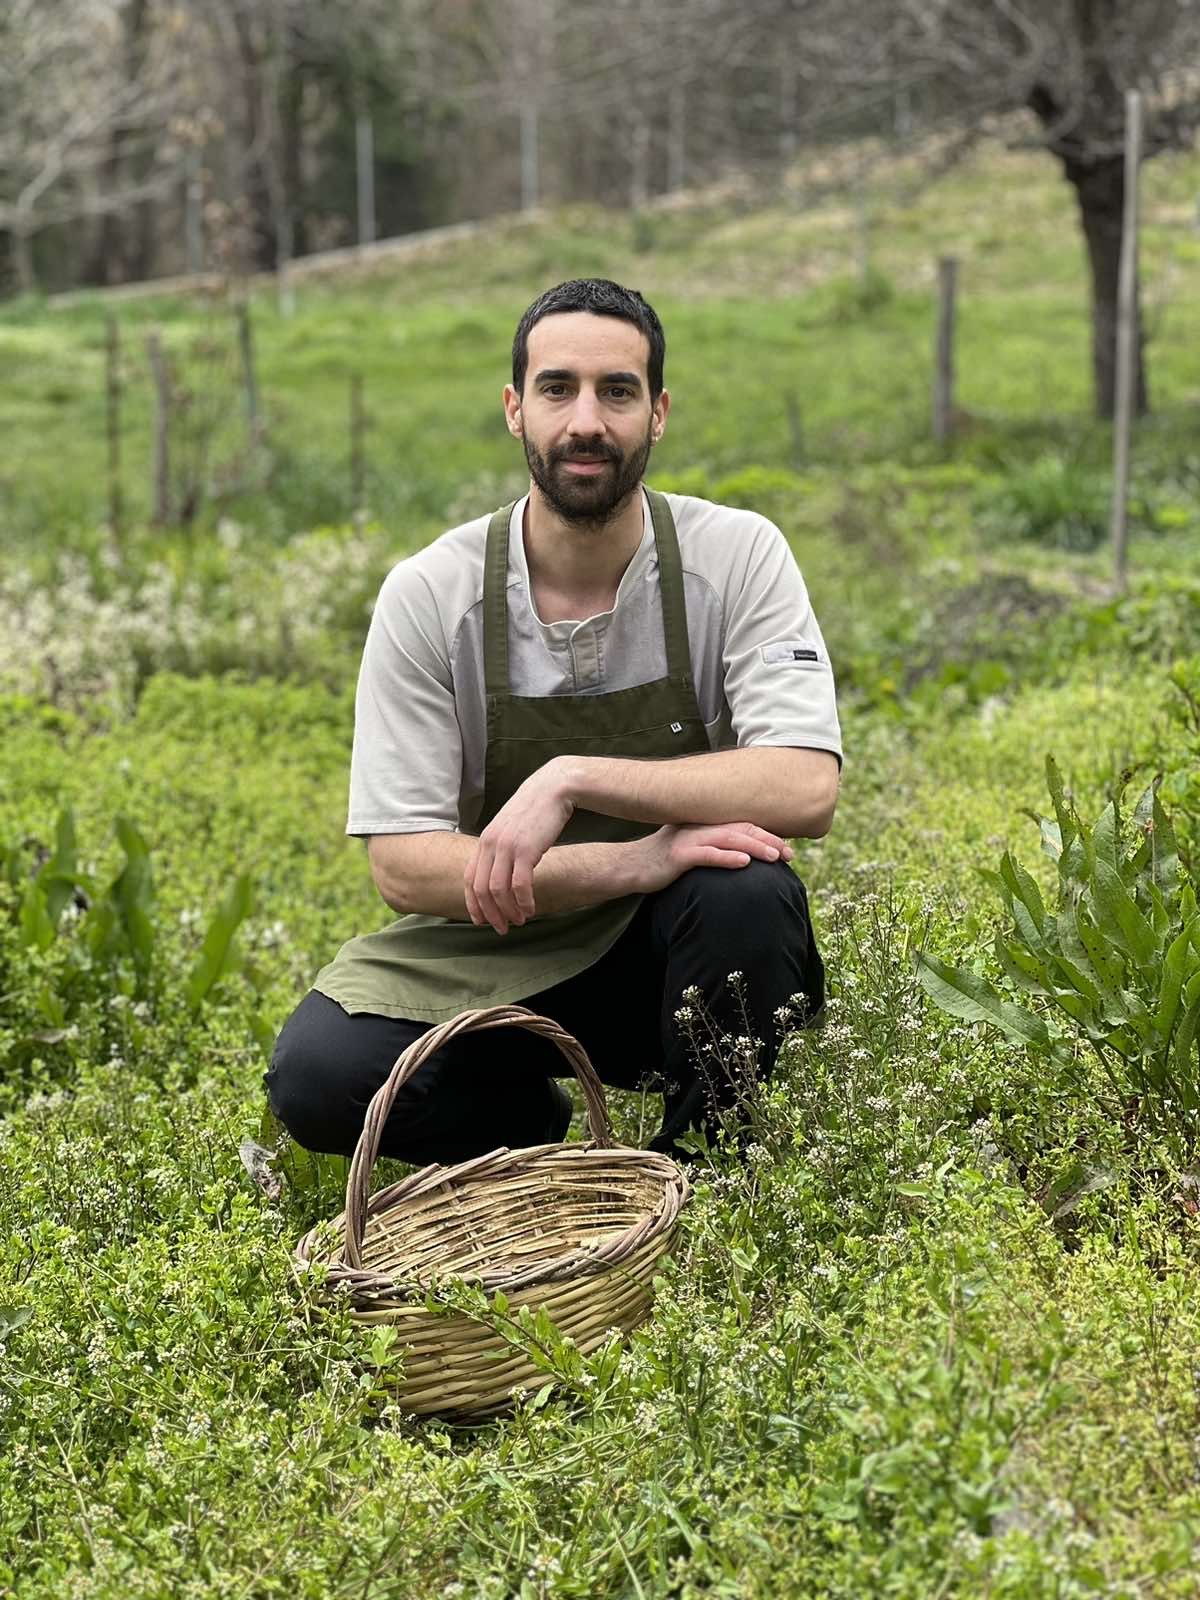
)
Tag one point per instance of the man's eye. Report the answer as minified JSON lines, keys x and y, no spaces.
{"x":554,"y":390}
{"x":619,"y":392}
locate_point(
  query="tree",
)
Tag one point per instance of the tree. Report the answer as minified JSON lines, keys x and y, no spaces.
{"x":78,"y":82}
{"x":1067,"y":62}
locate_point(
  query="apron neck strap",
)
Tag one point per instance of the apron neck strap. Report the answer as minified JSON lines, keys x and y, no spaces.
{"x":670,"y":580}
{"x":495,"y":596}
{"x":495,"y":603}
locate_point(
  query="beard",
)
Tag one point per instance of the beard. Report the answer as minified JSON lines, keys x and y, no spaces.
{"x":591,"y":502}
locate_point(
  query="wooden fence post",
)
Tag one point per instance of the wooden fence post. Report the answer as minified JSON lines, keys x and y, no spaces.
{"x":1126,"y":336}
{"x":162,"y":428}
{"x":943,"y":373}
{"x":249,"y":373}
{"x":112,"y":410}
{"x":364,"y":161}
{"x":795,"y":428}
{"x":358,"y":465}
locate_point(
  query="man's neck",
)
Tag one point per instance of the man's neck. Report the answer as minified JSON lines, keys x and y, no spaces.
{"x":568,"y":563}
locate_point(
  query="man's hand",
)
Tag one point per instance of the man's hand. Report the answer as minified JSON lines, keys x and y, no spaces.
{"x":498,"y":881}
{"x":498,"y":878}
{"x":675,"y":849}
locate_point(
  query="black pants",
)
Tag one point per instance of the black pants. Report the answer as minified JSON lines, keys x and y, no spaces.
{"x":483,"y":1090}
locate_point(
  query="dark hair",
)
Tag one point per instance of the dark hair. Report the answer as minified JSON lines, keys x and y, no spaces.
{"x":602,"y":298}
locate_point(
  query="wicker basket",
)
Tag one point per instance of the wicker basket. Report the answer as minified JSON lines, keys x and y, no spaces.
{"x":576,"y":1230}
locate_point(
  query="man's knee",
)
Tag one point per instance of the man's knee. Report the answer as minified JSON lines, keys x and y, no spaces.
{"x":305,"y":1088}
{"x":760,"y":900}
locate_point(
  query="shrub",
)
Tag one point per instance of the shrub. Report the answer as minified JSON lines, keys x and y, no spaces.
{"x":1115,"y":966}
{"x":1053,"y":500}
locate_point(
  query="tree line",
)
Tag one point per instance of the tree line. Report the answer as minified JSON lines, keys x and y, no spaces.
{"x":145,"y":137}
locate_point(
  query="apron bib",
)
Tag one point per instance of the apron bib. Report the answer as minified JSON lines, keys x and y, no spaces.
{"x":431,"y":968}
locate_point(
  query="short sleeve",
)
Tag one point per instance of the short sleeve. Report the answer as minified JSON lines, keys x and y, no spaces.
{"x":778,"y":679}
{"x":406,"y":764}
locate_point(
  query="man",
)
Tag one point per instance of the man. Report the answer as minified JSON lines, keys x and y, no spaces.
{"x":585,"y":729}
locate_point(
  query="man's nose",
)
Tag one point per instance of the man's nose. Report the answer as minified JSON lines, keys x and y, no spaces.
{"x":587,"y":416}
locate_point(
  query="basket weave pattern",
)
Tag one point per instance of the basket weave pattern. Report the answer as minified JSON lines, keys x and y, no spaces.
{"x":576,"y":1230}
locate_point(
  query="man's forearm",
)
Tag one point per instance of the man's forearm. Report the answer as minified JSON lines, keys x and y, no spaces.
{"x":424,"y":872}
{"x":790,"y":791}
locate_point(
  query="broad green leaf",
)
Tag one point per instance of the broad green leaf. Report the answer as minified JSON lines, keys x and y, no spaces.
{"x":1026,"y":927}
{"x":58,"y":874}
{"x":1117,"y":912}
{"x":1179,"y":962}
{"x":217,"y":953}
{"x":1023,"y":888}
{"x":1185,"y":1039}
{"x":1078,"y":978}
{"x":1157,"y":855}
{"x":1051,"y":837}
{"x":11,"y":866}
{"x":1025,"y":970}
{"x":1106,"y":837}
{"x":1091,"y":951}
{"x":1075,"y":1005}
{"x":133,"y":896}
{"x":1058,"y":798}
{"x":13,"y":1317}
{"x":1105,"y":959}
{"x":1160,"y":916}
{"x":1165,"y":848}
{"x":1073,"y":858}
{"x":34,"y":924}
{"x":967,"y":995}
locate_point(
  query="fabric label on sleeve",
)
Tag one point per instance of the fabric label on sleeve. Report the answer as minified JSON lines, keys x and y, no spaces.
{"x":795,"y":652}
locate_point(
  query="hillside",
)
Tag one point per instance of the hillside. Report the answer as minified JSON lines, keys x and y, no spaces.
{"x":937,"y":1332}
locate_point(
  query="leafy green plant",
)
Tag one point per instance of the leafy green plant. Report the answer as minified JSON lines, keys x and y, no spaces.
{"x":115,"y":924}
{"x":1181,"y":781}
{"x":1114,"y":965}
{"x":1053,"y":500}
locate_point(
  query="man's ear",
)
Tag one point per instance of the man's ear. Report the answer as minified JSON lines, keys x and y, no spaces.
{"x":512,"y":412}
{"x":658,"y":416}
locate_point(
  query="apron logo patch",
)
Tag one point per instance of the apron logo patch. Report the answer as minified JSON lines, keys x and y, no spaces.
{"x":677,"y":727}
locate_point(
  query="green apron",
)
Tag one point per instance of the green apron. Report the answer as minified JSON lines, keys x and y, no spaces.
{"x":431,"y":968}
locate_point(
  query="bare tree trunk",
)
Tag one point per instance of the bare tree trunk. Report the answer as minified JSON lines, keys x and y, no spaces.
{"x":1100,"y":191}
{"x":639,"y":163}
{"x":529,"y":155}
{"x":1127,"y":349}
{"x":22,"y":254}
{"x":676,"y":140}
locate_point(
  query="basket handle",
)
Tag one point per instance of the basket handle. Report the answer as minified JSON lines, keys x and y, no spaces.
{"x":366,"y":1152}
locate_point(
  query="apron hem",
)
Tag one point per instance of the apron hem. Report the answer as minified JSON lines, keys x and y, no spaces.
{"x":510,"y":994}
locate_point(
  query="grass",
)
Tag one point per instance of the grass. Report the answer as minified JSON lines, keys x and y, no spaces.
{"x":937,"y":1333}
{"x":761,"y":291}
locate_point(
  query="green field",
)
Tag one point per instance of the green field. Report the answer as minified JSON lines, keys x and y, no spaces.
{"x":939,"y":1332}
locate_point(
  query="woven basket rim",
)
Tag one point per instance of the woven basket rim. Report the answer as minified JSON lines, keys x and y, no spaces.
{"x":524,"y":1163}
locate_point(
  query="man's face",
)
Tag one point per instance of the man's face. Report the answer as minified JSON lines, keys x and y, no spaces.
{"x":585,"y":416}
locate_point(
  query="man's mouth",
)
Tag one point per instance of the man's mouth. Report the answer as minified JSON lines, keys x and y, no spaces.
{"x":585,"y":466}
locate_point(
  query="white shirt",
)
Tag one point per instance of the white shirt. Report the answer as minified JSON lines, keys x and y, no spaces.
{"x":761,"y":671}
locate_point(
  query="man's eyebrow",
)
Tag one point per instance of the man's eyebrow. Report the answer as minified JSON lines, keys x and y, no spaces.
{"x":565,"y":375}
